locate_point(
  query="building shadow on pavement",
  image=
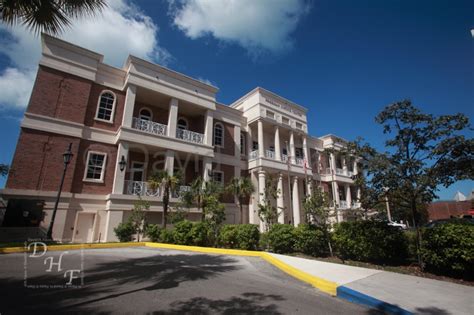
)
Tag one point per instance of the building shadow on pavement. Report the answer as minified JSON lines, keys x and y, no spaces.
{"x":108,"y":280}
{"x":246,"y":303}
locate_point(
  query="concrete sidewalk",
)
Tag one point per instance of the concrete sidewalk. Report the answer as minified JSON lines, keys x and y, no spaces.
{"x":391,"y":292}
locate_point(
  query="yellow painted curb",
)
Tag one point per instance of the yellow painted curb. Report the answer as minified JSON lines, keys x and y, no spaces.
{"x":9,"y":250}
{"x":319,"y":283}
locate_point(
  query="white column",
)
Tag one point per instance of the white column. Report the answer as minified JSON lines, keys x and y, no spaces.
{"x":280,"y":201}
{"x":129,"y":106}
{"x":237,"y":142}
{"x":119,"y":176}
{"x":261,"y":144}
{"x":296,"y":202}
{"x":277,"y":144}
{"x":261,"y":194}
{"x":169,"y":162}
{"x":356,"y":171}
{"x":332,"y":163}
{"x":254,"y":199}
{"x":249,"y":141}
{"x":172,"y":118}
{"x":292,"y":148}
{"x":207,"y":168}
{"x":348,"y":196}
{"x":208,"y":127}
{"x":306,"y":152}
{"x":344,"y":164}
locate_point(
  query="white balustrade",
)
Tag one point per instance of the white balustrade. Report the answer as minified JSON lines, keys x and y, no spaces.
{"x":190,"y":136}
{"x":270,"y":154}
{"x":339,"y":171}
{"x":253,"y":155}
{"x":140,"y":189}
{"x":299,"y":161}
{"x":343,"y":204}
{"x":356,"y":205}
{"x":149,"y":126}
{"x":284,"y":158}
{"x":180,"y":191}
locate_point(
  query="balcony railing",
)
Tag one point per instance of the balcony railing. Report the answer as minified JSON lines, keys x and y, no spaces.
{"x":299,"y":161}
{"x":270,"y":154}
{"x":180,"y":191}
{"x":149,"y":126}
{"x":355,"y":205}
{"x":340,"y":171}
{"x":190,"y":136}
{"x":284,"y":158}
{"x":343,"y":204}
{"x":253,"y":154}
{"x":140,"y":189}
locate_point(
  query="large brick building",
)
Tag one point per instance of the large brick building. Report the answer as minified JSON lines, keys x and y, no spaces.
{"x":154,"y":118}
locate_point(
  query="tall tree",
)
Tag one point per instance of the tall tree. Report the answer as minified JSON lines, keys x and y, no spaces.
{"x":168,"y":184}
{"x":137,"y":218}
{"x":199,"y":194}
{"x":4,"y":169}
{"x":50,"y":16}
{"x":241,"y":188}
{"x":318,"y":212}
{"x":423,"y":152}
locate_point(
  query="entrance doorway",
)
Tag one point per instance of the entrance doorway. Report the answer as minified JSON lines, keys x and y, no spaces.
{"x":84,"y":228}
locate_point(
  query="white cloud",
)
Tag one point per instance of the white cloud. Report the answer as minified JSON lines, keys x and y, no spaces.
{"x":258,"y":26}
{"x":120,"y":30}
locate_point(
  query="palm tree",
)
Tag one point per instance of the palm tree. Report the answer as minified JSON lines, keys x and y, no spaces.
{"x":240,"y":188}
{"x":200,"y":192}
{"x":168,"y":183}
{"x":49,"y":16}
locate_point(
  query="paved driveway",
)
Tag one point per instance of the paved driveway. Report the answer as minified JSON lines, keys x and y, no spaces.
{"x":142,"y":280}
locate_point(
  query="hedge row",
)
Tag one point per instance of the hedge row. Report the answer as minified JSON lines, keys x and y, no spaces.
{"x":446,"y":249}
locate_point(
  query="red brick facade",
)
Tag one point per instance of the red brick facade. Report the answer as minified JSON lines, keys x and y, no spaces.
{"x":229,"y":143}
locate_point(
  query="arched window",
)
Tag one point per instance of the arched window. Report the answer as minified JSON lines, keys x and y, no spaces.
{"x":218,"y":135}
{"x":145,"y":114}
{"x":182,"y":124}
{"x":106,"y":106}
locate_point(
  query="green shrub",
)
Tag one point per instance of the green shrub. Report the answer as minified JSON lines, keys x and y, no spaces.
{"x":310,"y":240}
{"x":201,"y":234}
{"x":281,"y":238}
{"x":153,"y":232}
{"x":449,"y":249}
{"x":264,"y":243}
{"x":228,"y":236}
{"x":167,"y":236}
{"x":248,"y":236}
{"x":124,"y":231}
{"x":370,"y":241}
{"x":412,"y":248}
{"x":182,"y":233}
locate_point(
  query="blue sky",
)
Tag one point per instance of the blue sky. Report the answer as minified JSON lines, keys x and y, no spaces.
{"x":344,"y":60}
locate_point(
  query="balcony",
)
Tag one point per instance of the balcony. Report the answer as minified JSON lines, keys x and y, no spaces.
{"x":190,"y":136}
{"x":253,"y":155}
{"x":149,"y":126}
{"x":343,"y":204}
{"x":299,"y":161}
{"x":340,"y":171}
{"x":270,"y":154}
{"x":180,"y":191}
{"x":140,"y":189}
{"x":356,"y":205}
{"x":284,"y":158}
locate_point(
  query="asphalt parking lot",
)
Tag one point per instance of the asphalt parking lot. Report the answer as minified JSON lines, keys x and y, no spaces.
{"x":148,"y":280}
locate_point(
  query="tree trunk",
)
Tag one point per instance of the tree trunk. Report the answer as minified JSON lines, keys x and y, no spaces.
{"x":418,"y":234}
{"x":166,"y":196}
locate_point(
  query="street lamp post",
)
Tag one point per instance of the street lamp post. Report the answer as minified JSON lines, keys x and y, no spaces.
{"x":67,"y":156}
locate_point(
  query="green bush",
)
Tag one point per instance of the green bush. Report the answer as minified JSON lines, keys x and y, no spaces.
{"x":310,"y":240}
{"x":228,"y":236}
{"x":281,"y":238}
{"x":412,"y":248}
{"x":248,"y":236}
{"x":370,"y":241}
{"x":264,"y":243}
{"x":201,"y":234}
{"x":167,"y":236}
{"x":449,"y":249}
{"x":124,"y":231}
{"x":153,"y":232}
{"x":182,"y":233}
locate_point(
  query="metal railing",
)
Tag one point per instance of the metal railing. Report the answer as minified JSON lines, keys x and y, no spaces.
{"x":270,"y":154}
{"x":149,"y":126}
{"x":140,"y":189}
{"x":180,"y":191}
{"x":190,"y":136}
{"x":299,"y":161}
{"x":253,"y":154}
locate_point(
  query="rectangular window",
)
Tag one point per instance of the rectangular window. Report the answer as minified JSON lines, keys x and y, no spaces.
{"x":270,"y":114}
{"x":95,"y":166}
{"x":299,"y":126}
{"x":105,"y":108}
{"x":218,"y":177}
{"x":299,"y":153}
{"x":285,"y":120}
{"x":255,"y":145}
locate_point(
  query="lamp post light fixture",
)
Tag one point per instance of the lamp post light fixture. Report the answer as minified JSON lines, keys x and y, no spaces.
{"x":67,"y":156}
{"x":122,"y":163}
